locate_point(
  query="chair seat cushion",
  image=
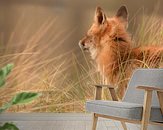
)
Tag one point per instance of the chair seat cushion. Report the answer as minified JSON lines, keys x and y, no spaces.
{"x":131,"y":111}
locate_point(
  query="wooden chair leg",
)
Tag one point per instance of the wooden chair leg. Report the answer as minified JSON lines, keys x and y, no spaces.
{"x":146,"y":109}
{"x":124,"y":125}
{"x":94,"y":123}
{"x":160,"y":98}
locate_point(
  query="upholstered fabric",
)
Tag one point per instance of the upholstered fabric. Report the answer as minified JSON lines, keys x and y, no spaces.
{"x":144,"y":77}
{"x":125,"y":110}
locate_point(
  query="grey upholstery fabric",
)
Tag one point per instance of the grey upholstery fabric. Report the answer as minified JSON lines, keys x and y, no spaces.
{"x":124,"y":110}
{"x":132,"y":104}
{"x":144,"y":77}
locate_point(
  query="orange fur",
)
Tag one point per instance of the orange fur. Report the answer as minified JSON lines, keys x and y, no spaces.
{"x":110,"y":46}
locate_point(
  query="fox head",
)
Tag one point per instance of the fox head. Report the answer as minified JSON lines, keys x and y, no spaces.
{"x":106,"y":32}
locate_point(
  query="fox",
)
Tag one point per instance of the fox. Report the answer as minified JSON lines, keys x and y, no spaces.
{"x":110,"y":46}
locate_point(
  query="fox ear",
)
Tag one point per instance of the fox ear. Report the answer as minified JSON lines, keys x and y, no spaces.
{"x":122,"y":14}
{"x":100,"y":17}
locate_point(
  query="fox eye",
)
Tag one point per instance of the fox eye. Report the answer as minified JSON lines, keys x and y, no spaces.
{"x":119,"y":39}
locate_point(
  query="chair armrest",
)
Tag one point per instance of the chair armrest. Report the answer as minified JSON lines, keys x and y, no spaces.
{"x":98,"y":91}
{"x":149,"y":90}
{"x":103,"y":85}
{"x":146,"y":88}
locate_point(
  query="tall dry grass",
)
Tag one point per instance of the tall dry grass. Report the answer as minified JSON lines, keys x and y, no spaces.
{"x":146,"y":32}
{"x":41,"y":65}
{"x":63,"y":79}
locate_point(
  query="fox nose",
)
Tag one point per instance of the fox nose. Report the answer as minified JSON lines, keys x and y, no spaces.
{"x":81,"y":44}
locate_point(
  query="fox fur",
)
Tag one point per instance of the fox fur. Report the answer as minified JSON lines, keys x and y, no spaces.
{"x":110,"y":45}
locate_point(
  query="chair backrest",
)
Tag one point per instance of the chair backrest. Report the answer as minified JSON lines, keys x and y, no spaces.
{"x":143,"y":77}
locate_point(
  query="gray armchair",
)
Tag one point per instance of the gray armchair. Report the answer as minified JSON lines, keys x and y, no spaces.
{"x":142,"y":104}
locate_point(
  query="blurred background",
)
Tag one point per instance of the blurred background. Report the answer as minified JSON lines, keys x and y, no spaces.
{"x":75,"y":16}
{"x":41,"y":38}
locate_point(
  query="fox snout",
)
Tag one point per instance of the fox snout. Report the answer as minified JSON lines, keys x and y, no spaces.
{"x":82,"y":45}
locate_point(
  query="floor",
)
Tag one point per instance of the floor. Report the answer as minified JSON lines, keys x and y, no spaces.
{"x":53,"y":121}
